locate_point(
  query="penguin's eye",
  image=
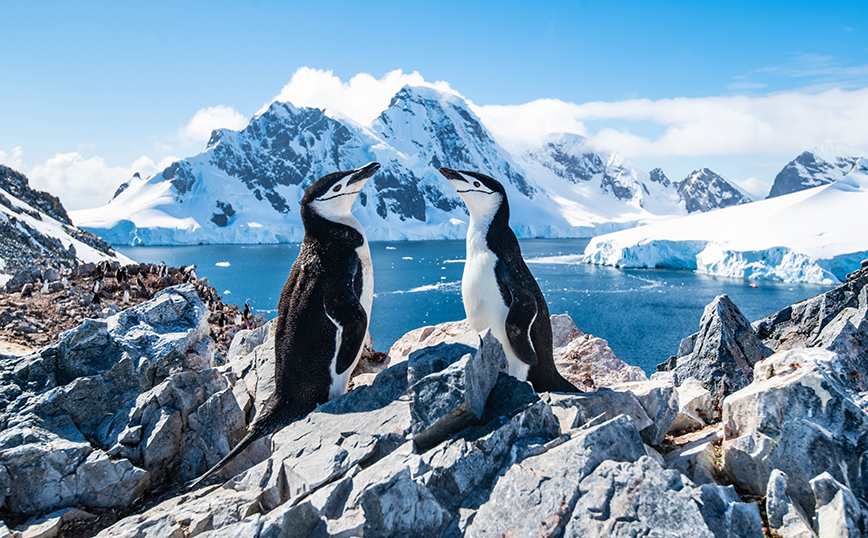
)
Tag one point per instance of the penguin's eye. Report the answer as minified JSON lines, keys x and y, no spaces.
{"x":475,"y":183}
{"x":337,"y":187}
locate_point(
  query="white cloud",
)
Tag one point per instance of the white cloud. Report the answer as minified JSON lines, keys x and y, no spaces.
{"x":778,"y":124}
{"x":206,"y":120}
{"x":13,"y":160}
{"x":757,"y":189}
{"x":362,"y":98}
{"x":521,"y":125}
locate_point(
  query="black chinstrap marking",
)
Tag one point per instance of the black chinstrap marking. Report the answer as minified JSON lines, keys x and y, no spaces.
{"x":337,"y":196}
{"x":473,"y":190}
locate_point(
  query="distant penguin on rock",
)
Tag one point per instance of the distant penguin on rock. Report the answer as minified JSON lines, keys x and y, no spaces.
{"x":324,"y":309}
{"x":498,"y":289}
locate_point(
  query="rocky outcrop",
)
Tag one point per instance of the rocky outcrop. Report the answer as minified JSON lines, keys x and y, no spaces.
{"x":121,"y":412}
{"x":721,"y":355}
{"x":115,"y":407}
{"x":584,"y":360}
{"x":704,"y":190}
{"x":836,"y":320}
{"x":797,"y":418}
{"x":140,"y":403}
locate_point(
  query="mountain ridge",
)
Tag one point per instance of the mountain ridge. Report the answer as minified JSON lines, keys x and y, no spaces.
{"x":245,"y":187}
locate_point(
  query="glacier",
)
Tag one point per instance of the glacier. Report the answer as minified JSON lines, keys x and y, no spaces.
{"x":815,"y":235}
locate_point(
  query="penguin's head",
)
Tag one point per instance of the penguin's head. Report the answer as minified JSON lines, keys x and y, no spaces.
{"x":332,"y":195}
{"x":482,"y":194}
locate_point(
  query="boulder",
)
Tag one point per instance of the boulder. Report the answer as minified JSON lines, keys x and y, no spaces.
{"x":452,"y":332}
{"x":699,"y":457}
{"x":785,"y":518}
{"x":577,"y":409}
{"x":642,"y":498}
{"x":836,"y":320}
{"x":695,"y":407}
{"x":453,"y":398}
{"x":49,"y":525}
{"x":538,"y":496}
{"x":721,"y":355}
{"x":584,"y":360}
{"x":659,"y":399}
{"x":799,"y":420}
{"x":587,"y":361}
{"x":838,"y":510}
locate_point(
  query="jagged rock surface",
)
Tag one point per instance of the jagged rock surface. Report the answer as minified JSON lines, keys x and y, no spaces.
{"x":796,"y":418}
{"x":119,"y":404}
{"x":836,"y":320}
{"x":721,"y":355}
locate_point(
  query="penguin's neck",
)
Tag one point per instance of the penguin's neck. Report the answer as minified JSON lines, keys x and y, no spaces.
{"x":485,"y":229}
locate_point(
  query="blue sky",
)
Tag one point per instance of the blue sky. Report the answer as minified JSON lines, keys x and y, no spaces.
{"x":93,"y":91}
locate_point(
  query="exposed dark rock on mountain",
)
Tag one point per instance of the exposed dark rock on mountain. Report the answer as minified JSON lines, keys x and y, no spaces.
{"x":703,"y":190}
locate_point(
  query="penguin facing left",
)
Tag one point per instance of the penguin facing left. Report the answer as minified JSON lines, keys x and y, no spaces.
{"x":324,"y":309}
{"x":498,"y":290}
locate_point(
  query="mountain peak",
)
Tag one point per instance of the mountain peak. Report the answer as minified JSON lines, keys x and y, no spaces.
{"x":704,"y":190}
{"x":819,"y":166}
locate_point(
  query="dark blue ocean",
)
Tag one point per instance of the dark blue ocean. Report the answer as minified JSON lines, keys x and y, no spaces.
{"x":642,"y":313}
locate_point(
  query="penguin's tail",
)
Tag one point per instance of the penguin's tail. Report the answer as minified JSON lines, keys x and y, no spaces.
{"x":252,"y":436}
{"x":272,"y":419}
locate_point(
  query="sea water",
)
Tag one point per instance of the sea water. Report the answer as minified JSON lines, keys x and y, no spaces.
{"x":643,"y":314}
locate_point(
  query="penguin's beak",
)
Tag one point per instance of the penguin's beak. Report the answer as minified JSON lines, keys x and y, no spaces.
{"x":451,"y":174}
{"x":363,"y":173}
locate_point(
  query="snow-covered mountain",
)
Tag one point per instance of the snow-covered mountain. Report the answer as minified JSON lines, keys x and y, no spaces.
{"x":703,"y":190}
{"x":819,"y":166}
{"x":813,"y":235}
{"x":35,"y":231}
{"x":246,"y":186}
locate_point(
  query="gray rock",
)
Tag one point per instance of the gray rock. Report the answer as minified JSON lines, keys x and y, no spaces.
{"x":575,"y":410}
{"x":838,"y":510}
{"x":642,"y":498}
{"x":784,"y":516}
{"x":836,"y":320}
{"x":101,"y":482}
{"x":246,"y":340}
{"x":5,"y":486}
{"x":97,"y":385}
{"x":297,"y":521}
{"x":722,"y":354}
{"x":696,"y":409}
{"x":452,"y":332}
{"x":801,"y":422}
{"x":447,"y":401}
{"x":697,"y":459}
{"x":660,"y":402}
{"x":537,"y":497}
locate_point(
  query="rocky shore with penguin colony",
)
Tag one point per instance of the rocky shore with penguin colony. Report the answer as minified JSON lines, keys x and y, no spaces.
{"x":750,"y":429}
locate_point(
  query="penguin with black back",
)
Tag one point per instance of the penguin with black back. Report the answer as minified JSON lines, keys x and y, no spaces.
{"x":324,"y":309}
{"x":498,"y":290}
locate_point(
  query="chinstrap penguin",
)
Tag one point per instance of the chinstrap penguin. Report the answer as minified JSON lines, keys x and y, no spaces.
{"x":498,"y":289}
{"x":324,"y":309}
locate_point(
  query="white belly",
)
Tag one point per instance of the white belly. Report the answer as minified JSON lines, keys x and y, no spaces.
{"x":484,"y":304}
{"x":339,"y":381}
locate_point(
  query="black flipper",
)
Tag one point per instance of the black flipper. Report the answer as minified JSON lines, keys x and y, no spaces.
{"x":342,"y":306}
{"x":522,"y":313}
